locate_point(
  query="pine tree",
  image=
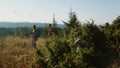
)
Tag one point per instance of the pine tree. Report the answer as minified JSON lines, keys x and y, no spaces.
{"x":100,"y":52}
{"x":73,"y":22}
{"x":115,"y":38}
{"x":54,"y":22}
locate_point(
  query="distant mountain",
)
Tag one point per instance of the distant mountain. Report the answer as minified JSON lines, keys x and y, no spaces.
{"x":23,"y":24}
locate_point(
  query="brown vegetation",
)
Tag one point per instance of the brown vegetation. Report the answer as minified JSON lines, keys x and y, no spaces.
{"x":18,"y":52}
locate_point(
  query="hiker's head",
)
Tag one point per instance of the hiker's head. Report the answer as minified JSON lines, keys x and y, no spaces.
{"x":34,"y":26}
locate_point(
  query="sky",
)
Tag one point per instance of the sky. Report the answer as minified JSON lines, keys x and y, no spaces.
{"x":101,"y":11}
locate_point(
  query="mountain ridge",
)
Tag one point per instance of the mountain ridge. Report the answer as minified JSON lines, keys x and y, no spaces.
{"x":23,"y":24}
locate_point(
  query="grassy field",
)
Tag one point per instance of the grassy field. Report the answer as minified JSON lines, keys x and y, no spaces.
{"x":18,"y":52}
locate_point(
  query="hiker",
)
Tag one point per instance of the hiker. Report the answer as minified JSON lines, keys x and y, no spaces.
{"x":51,"y":30}
{"x":35,"y":35}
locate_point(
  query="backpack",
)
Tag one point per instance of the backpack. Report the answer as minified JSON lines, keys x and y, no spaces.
{"x":38,"y":33}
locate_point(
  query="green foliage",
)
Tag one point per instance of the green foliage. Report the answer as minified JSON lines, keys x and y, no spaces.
{"x":115,"y":36}
{"x":102,"y":54}
{"x":57,"y":48}
{"x":116,"y":23}
{"x":82,"y":46}
{"x":20,"y":32}
{"x":72,"y":22}
{"x":5,"y":32}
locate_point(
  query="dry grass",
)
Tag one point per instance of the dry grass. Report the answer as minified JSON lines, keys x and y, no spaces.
{"x":18,"y":52}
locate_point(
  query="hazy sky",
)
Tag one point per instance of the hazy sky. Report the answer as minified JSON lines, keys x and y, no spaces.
{"x":101,"y":11}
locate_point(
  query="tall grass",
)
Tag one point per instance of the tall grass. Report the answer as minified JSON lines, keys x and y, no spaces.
{"x":18,"y":52}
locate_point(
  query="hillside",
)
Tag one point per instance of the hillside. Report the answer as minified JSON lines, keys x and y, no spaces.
{"x":23,"y":24}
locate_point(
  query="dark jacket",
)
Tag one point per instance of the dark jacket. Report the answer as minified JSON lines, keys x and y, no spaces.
{"x":35,"y":34}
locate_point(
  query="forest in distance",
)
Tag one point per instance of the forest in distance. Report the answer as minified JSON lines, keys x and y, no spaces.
{"x":16,"y":28}
{"x":76,"y":45}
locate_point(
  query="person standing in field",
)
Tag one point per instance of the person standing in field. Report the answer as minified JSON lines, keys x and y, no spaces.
{"x":35,"y":35}
{"x":49,"y":30}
